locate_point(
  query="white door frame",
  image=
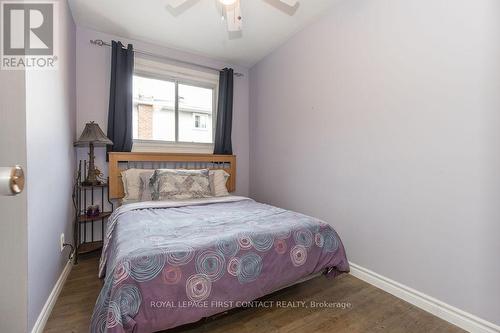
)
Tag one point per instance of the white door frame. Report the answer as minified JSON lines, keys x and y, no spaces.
{"x":13,"y":209}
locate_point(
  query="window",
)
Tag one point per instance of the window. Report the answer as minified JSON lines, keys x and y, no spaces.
{"x":172,"y":109}
{"x":200,"y":121}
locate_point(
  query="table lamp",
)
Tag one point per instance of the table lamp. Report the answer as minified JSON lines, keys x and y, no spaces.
{"x":92,"y":136}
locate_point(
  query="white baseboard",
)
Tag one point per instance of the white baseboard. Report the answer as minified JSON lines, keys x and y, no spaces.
{"x":462,"y":319}
{"x":51,"y":301}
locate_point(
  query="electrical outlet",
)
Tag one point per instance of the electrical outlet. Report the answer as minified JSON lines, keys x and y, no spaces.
{"x":62,"y":242}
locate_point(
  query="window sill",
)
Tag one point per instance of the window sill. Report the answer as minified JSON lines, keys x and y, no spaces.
{"x":145,"y":146}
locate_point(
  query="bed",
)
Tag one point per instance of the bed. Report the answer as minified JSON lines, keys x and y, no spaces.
{"x":169,"y":263}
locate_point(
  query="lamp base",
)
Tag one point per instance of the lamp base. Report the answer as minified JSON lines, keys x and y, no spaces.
{"x":92,"y":178}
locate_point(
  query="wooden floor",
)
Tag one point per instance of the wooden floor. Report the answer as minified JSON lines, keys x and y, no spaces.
{"x":371,"y":309}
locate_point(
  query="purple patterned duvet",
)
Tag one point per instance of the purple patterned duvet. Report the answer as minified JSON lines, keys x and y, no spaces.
{"x":172,"y":263}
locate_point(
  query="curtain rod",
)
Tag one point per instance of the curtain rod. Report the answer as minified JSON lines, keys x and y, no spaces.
{"x":100,"y":42}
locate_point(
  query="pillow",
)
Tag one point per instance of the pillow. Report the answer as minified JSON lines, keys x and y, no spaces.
{"x":131,"y":179}
{"x":218,"y":180}
{"x":145,"y":190}
{"x":180,"y":184}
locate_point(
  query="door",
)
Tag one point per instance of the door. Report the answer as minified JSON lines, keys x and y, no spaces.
{"x":13,"y":210}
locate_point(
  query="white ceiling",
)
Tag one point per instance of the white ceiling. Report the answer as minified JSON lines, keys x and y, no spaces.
{"x":198,"y":27}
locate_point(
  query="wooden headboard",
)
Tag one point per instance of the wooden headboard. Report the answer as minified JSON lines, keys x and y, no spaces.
{"x":119,"y":162}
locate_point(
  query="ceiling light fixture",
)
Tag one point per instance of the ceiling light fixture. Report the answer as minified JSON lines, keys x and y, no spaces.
{"x":231,"y":10}
{"x":227,"y":2}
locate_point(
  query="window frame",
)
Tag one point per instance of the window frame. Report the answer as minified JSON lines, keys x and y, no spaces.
{"x":178,"y":75}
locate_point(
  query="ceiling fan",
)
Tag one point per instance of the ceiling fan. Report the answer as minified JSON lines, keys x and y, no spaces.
{"x":231,"y":11}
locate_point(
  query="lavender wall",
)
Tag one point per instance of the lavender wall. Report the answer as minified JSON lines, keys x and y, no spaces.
{"x":93,"y":75}
{"x":383,"y":119}
{"x":50,"y":132}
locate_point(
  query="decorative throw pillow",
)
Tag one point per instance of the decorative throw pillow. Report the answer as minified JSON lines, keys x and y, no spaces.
{"x":145,"y":190}
{"x":218,"y":180}
{"x":131,"y":179}
{"x":180,"y":184}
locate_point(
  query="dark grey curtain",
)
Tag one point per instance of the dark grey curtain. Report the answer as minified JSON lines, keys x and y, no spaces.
{"x":224,"y":124}
{"x":120,"y":98}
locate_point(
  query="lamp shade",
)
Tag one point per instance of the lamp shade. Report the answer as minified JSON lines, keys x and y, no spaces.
{"x":92,"y":134}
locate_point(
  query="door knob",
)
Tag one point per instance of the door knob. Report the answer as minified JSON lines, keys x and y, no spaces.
{"x":11,"y":180}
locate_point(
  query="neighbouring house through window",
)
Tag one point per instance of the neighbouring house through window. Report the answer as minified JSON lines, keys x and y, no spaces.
{"x":200,"y":121}
{"x":174,"y":108}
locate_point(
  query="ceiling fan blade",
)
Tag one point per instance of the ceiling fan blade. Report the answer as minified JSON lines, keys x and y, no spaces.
{"x":176,"y":3}
{"x":233,"y":17}
{"x":290,"y":3}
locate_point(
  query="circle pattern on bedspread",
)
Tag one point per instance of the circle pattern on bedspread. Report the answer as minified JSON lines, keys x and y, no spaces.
{"x":303,"y":237}
{"x":125,"y":303}
{"x":298,"y":254}
{"x":211,"y":264}
{"x":172,"y":275}
{"x":99,"y":317}
{"x":283,"y":234}
{"x":146,"y":265}
{"x":198,"y":287}
{"x":331,"y":243}
{"x":233,"y":266}
{"x":310,"y":223}
{"x":121,"y":273}
{"x":319,"y":240}
{"x":129,"y":298}
{"x":262,"y":242}
{"x":228,"y":247}
{"x":244,"y":241}
{"x":250,"y":267}
{"x":99,"y":321}
{"x":280,"y":246}
{"x":114,"y":317}
{"x":182,"y":255}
